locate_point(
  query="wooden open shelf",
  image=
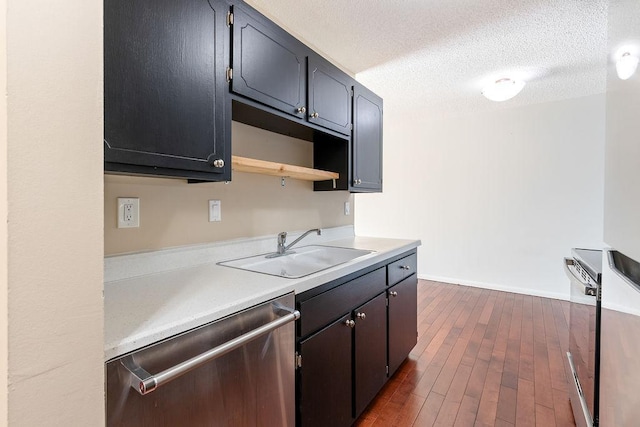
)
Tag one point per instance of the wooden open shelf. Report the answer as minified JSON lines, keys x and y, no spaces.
{"x":245,"y":164}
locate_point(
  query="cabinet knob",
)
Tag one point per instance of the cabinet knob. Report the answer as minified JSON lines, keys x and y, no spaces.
{"x":218,"y":163}
{"x":361,"y":316}
{"x":393,"y":293}
{"x":302,"y":110}
{"x":405,"y":267}
{"x":315,"y":115}
{"x":350,"y":323}
{"x":357,"y":181}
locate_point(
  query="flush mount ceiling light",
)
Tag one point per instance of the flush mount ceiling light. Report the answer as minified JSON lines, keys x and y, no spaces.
{"x":626,"y":65}
{"x":502,"y":89}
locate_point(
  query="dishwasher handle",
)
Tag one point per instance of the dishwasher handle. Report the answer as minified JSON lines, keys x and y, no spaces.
{"x":145,"y":383}
{"x":585,"y":288}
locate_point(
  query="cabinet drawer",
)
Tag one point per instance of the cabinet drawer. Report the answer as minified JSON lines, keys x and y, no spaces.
{"x":398,"y":270}
{"x":328,"y":306}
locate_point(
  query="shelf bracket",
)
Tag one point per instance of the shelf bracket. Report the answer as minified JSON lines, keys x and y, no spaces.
{"x":334,"y":183}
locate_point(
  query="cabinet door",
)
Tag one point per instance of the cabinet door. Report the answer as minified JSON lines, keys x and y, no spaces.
{"x":366,"y":152}
{"x":370,"y":350}
{"x":269,"y":65}
{"x":329,"y":96}
{"x":403,"y":321}
{"x":164,"y":85}
{"x":324,"y":381}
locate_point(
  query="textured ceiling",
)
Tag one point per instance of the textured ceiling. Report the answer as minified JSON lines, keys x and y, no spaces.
{"x":436,"y":55}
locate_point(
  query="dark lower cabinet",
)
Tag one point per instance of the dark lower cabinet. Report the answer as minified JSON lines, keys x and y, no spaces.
{"x":370,"y":350}
{"x":403,"y":321}
{"x":164,"y":88}
{"x":324,"y":381}
{"x":345,"y":362}
{"x":366,"y":144}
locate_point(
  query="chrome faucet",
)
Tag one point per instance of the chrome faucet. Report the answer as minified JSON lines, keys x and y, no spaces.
{"x":282,"y":238}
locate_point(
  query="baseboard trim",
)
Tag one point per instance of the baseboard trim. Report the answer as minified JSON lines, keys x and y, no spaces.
{"x":494,"y":287}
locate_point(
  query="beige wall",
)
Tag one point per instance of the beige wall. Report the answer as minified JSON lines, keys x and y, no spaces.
{"x":54,"y":200}
{"x":175,"y":213}
{"x":4,"y":291}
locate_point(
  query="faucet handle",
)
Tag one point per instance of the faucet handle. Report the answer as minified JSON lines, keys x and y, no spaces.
{"x":282,"y":237}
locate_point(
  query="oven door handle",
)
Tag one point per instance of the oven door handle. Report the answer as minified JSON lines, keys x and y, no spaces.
{"x":144,"y":382}
{"x":586,"y":288}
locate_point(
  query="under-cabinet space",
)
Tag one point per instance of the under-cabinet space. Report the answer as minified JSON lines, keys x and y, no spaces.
{"x":263,"y":167}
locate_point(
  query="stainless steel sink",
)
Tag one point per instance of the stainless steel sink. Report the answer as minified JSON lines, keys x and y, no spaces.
{"x":298,"y":263}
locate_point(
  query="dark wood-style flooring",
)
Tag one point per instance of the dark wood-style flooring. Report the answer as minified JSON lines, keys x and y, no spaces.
{"x":483,"y":358}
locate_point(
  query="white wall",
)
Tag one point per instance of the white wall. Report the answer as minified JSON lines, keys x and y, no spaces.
{"x":497,"y":198}
{"x":54,"y":203}
{"x":622,"y":167}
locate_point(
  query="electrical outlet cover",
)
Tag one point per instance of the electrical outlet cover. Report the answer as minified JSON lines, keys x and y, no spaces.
{"x":128,"y":212}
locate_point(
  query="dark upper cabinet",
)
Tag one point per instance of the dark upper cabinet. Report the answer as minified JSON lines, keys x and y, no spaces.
{"x":329,"y":96}
{"x":164,"y":88}
{"x":370,"y":350}
{"x":269,"y":65}
{"x":324,"y":381}
{"x":403,"y":320}
{"x":366,"y":148}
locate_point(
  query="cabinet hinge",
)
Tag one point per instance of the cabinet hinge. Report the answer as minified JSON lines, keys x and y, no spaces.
{"x":387,"y":301}
{"x":298,"y":360}
{"x":229,"y":19}
{"x":387,"y":369}
{"x":229,"y":74}
{"x":352,"y":93}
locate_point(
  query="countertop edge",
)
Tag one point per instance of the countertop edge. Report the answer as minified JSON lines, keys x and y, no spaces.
{"x":280,"y":286}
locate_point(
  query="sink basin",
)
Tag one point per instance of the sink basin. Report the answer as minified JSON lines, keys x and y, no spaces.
{"x":298,"y":262}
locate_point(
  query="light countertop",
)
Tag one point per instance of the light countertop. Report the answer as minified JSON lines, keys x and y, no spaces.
{"x":189,"y":289}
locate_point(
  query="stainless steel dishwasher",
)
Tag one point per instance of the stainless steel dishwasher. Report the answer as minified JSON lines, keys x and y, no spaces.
{"x":236,"y":371}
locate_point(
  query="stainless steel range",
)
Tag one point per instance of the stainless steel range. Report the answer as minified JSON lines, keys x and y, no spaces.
{"x":584,"y":270}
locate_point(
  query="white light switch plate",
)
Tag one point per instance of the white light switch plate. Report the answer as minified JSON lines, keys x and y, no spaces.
{"x":215,"y":211}
{"x":347,"y":208}
{"x":128,"y":212}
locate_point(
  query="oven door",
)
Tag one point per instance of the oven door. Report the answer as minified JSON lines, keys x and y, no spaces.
{"x":582,"y":358}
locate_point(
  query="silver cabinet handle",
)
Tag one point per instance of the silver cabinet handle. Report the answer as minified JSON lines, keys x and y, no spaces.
{"x":218,"y":163}
{"x":315,"y":115}
{"x":350,"y":323}
{"x":361,"y":316}
{"x":301,"y":110}
{"x":393,"y":293}
{"x":357,"y":181}
{"x":405,"y":267}
{"x":145,"y":383}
